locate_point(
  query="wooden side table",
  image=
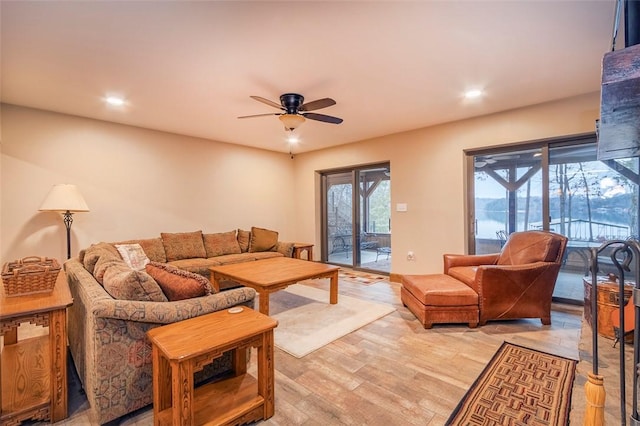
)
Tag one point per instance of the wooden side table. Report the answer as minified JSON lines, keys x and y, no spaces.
{"x":183,"y":348}
{"x":33,"y":371}
{"x":298,"y":248}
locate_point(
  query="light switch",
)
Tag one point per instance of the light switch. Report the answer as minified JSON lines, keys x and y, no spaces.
{"x":401,"y":207}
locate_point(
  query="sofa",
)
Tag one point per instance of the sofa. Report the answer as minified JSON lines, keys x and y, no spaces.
{"x":117,"y":298}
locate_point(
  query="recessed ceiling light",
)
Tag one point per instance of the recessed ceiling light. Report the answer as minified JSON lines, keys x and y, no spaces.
{"x":114,"y":100}
{"x":293,"y":139}
{"x":473,"y":94}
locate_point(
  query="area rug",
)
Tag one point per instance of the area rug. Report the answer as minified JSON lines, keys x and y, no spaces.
{"x":360,"y":277}
{"x":519,"y":386}
{"x":307,"y":322}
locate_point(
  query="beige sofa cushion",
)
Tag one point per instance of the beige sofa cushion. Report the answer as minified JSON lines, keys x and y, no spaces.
{"x":94,"y":252}
{"x":153,"y":248}
{"x":243,"y":240}
{"x":122,"y":282}
{"x":262,"y":240}
{"x":183,"y":245}
{"x":221,"y":243}
{"x":266,"y":255}
{"x":105,"y":262}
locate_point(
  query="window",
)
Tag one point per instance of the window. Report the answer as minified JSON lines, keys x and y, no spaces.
{"x":554,"y":185}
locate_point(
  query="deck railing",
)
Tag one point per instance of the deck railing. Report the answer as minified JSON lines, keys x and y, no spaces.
{"x":584,"y":230}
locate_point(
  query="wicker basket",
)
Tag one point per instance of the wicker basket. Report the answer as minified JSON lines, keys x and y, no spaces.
{"x":30,"y":275}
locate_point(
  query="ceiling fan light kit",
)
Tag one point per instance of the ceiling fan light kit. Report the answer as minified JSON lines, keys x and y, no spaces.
{"x":295,"y":111}
{"x":291,"y":121}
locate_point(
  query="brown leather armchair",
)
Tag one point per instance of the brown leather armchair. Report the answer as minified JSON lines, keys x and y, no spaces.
{"x":518,"y":282}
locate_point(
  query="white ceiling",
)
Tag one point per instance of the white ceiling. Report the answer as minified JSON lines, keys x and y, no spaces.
{"x":190,"y":67}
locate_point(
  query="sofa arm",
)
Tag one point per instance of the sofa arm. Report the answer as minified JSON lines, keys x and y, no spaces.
{"x":100,"y":304}
{"x":170,"y":312}
{"x":452,"y":260}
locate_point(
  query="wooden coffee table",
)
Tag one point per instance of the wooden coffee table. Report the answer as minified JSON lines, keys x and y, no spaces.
{"x":267,"y":276}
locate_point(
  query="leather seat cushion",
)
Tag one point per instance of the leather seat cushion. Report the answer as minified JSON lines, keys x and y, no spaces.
{"x":439,"y":290}
{"x":466,"y":274}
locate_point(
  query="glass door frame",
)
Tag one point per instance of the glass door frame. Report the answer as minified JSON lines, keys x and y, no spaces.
{"x":543,"y":145}
{"x":356,"y":205}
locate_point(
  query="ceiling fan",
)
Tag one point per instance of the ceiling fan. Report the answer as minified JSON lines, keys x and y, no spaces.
{"x":296,"y":111}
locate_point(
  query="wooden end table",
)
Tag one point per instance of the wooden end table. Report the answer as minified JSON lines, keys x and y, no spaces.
{"x":298,"y":248}
{"x":185,"y":347}
{"x":33,"y":371}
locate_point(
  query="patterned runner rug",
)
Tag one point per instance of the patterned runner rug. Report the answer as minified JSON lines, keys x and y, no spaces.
{"x":360,"y":277}
{"x":519,"y":386}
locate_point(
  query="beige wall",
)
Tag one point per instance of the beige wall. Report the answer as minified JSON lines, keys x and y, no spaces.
{"x":427,"y":169}
{"x":137,"y":183}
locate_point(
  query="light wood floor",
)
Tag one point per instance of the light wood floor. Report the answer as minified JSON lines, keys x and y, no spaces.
{"x":392,"y":371}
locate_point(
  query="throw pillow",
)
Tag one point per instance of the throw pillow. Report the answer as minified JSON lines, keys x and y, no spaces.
{"x":94,"y":252}
{"x":183,"y":245}
{"x":105,"y":262}
{"x":133,"y":255}
{"x":178,"y":284}
{"x":221,"y":243}
{"x":123,"y":283}
{"x":262,"y":240}
{"x":243,"y":240}
{"x":153,"y":247}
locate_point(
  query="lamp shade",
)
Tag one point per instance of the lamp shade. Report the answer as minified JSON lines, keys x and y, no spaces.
{"x":64,"y":197}
{"x":291,"y":121}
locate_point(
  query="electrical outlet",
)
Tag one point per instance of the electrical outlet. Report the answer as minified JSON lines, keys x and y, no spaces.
{"x":411,"y":255}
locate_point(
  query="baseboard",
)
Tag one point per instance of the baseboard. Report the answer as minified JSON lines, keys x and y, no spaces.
{"x":395,"y":278}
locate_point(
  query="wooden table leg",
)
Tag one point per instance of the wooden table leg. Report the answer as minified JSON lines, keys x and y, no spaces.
{"x":11,"y":336}
{"x":333,"y":290}
{"x":264,"y":302}
{"x":266,"y":374}
{"x":215,"y":281}
{"x":58,"y":377}
{"x":182,"y":391}
{"x":239,"y":361}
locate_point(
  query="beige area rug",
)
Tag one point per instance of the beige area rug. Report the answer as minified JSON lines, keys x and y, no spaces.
{"x":307,"y":322}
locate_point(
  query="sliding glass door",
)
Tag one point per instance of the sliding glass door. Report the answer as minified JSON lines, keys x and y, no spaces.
{"x":507,"y":197}
{"x":558,"y":186}
{"x":357,"y":217}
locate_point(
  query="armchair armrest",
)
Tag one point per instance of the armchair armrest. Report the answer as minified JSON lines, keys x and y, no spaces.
{"x":516,"y":291}
{"x":452,"y":260}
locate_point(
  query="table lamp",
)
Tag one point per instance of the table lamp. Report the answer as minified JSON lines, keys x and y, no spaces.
{"x":66,"y":199}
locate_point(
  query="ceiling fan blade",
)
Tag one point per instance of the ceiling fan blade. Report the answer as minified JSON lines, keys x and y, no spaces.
{"x":260,"y":115}
{"x":322,"y":117}
{"x":314,"y":105}
{"x":267,"y":101}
